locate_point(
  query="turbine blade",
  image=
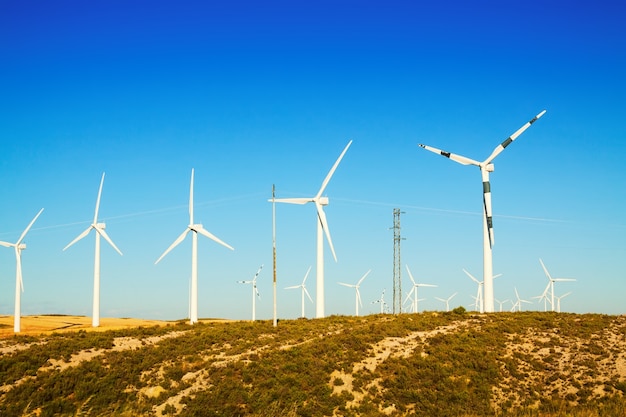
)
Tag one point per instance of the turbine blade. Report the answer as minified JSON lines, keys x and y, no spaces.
{"x":487,"y":207}
{"x":211,"y":236}
{"x":302,"y":200}
{"x":409,"y":295}
{"x":293,"y":287}
{"x":307,"y":293}
{"x":306,"y":275}
{"x":332,"y":171}
{"x":358,"y":296}
{"x":79,"y":237}
{"x":471,"y":276}
{"x":511,"y":138}
{"x":173,"y":245}
{"x":106,"y":237}
{"x":564,"y":279}
{"x":191,"y":198}
{"x":18,"y":258}
{"x":425,"y":285}
{"x":363,"y":277}
{"x":545,"y":269}
{"x":410,"y":274}
{"x":28,"y":228}
{"x":6,"y":244}
{"x":95,"y":216}
{"x":322,"y":218}
{"x":346,"y":285}
{"x":456,"y":158}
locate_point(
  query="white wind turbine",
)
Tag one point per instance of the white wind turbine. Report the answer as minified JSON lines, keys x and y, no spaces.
{"x":322,"y":227}
{"x":558,"y":301}
{"x":518,"y":303}
{"x":195,"y":228}
{"x":480,"y":304}
{"x":412,"y":303}
{"x":544,"y":297}
{"x":414,"y":290}
{"x":100,"y":231}
{"x":552,"y":281}
{"x":19,"y":283}
{"x":488,"y":236}
{"x":304,"y":290}
{"x":356,"y":288}
{"x":381,"y":301}
{"x":501,"y":303}
{"x":255,"y":291}
{"x":447,"y":300}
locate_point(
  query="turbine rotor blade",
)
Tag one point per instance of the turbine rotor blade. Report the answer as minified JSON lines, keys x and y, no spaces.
{"x":306,"y":275}
{"x":410,"y":275}
{"x":204,"y":232}
{"x":332,"y":171}
{"x":322,"y":218}
{"x":409,"y":295}
{"x":293,"y":287}
{"x":346,"y":285}
{"x":511,"y":138}
{"x":456,"y":158}
{"x":358,"y":296}
{"x":363,"y":277}
{"x":545,"y":269}
{"x":106,"y":237}
{"x":471,"y":276}
{"x":18,"y":258}
{"x":173,"y":245}
{"x":28,"y":228}
{"x":79,"y":237}
{"x":487,"y":206}
{"x":95,"y":216}
{"x":302,"y":200}
{"x":6,"y":244}
{"x":307,"y":293}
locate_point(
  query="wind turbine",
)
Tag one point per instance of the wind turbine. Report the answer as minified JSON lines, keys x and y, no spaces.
{"x":356,"y":288}
{"x":414,"y":290}
{"x":488,"y":236}
{"x":501,"y":303}
{"x":558,"y":301}
{"x":519,"y":302}
{"x":19,"y":283}
{"x":304,"y":290}
{"x":381,"y":301}
{"x":544,"y":297}
{"x":195,"y":228}
{"x":100,"y":231}
{"x":412,"y":303}
{"x":480,"y":304}
{"x":552,"y":281}
{"x":322,"y":228}
{"x":255,"y":291}
{"x":447,"y":300}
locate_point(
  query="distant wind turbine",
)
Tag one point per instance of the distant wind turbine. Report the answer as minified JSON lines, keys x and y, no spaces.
{"x":486,"y":167}
{"x":518,"y":303}
{"x":381,"y":301}
{"x":414,"y":290}
{"x":544,"y":297}
{"x":195,"y":228}
{"x":356,"y":288}
{"x":304,"y":290}
{"x":255,"y":291}
{"x":480,"y":305}
{"x":447,"y":300}
{"x":501,"y":303}
{"x":558,"y":301}
{"x":19,"y":283}
{"x":552,"y":281}
{"x":322,"y":227}
{"x":100,"y":231}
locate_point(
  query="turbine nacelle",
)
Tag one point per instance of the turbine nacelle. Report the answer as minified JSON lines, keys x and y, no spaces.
{"x":100,"y":226}
{"x":322,"y":201}
{"x":488,"y":167}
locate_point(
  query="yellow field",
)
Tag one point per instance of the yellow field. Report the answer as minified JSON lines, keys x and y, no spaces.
{"x":36,"y":325}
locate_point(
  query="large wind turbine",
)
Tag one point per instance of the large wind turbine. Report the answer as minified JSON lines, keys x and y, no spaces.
{"x":195,"y":228}
{"x":552,"y":281}
{"x":356,"y":288}
{"x":322,"y":228}
{"x":100,"y":231}
{"x":304,"y":290}
{"x":255,"y":291}
{"x":414,"y":290}
{"x":19,"y":283}
{"x":488,"y":237}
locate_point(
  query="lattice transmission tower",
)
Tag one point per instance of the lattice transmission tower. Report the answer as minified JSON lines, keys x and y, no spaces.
{"x":397,"y":263}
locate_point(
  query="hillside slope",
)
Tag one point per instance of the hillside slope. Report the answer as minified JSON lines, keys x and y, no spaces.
{"x":432,"y":364}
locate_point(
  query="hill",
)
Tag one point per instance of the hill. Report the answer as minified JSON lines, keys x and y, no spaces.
{"x":430,"y":364}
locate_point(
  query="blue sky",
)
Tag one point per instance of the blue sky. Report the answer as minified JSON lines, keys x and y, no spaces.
{"x":254,"y":94}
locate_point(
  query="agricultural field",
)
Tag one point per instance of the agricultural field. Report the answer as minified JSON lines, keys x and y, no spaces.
{"x":427,"y":364}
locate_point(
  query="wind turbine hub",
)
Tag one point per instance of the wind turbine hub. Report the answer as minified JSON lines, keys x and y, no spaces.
{"x":101,"y":226}
{"x":323,"y":201}
{"x":21,"y":246}
{"x":489,"y":168}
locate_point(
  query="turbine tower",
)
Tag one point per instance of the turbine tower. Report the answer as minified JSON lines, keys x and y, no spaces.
{"x":19,"y":283}
{"x":195,"y":228}
{"x":356,"y":288}
{"x":100,"y":231}
{"x":414,"y":290}
{"x":486,"y":167}
{"x":255,"y":291}
{"x":322,"y":228}
{"x":552,"y":281}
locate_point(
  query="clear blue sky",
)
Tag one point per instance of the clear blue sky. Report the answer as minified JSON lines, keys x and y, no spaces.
{"x":252,"y":94}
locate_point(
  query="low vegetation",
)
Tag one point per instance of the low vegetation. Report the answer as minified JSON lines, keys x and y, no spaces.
{"x":431,"y":364}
